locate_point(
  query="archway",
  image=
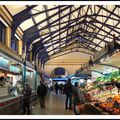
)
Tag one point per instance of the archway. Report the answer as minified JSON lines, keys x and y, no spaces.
{"x":59,"y":72}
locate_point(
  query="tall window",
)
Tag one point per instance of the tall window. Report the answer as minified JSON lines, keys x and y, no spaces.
{"x":14,"y":44}
{"x":2,"y":32}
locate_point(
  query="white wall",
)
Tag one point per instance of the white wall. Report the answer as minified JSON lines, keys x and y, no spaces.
{"x":70,"y":62}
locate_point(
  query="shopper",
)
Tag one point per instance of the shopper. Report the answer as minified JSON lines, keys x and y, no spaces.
{"x":61,"y":88}
{"x":56,"y":88}
{"x":42,"y":92}
{"x":78,"y":96}
{"x":10,"y":87}
{"x":68,"y":88}
{"x":27,"y":91}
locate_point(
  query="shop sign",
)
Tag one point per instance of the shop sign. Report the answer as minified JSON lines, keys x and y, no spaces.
{"x":15,"y":69}
{"x":4,"y":63}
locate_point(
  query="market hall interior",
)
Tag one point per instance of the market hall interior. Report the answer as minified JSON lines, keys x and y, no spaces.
{"x":55,"y":43}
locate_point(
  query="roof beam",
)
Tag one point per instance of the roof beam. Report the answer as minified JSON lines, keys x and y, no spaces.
{"x":47,"y":16}
{"x":101,"y":29}
{"x":54,"y":8}
{"x":61,"y":17}
{"x":106,"y":25}
{"x":87,"y":40}
{"x":74,"y":50}
{"x":59,"y":27}
{"x":111,"y":12}
{"x":68,"y":45}
{"x":19,"y":18}
{"x":67,"y":7}
{"x":70,"y":9}
{"x":75,"y":36}
{"x":90,"y":34}
{"x":109,"y":65}
{"x":95,"y":18}
{"x":69,"y":53}
{"x":65,"y":27}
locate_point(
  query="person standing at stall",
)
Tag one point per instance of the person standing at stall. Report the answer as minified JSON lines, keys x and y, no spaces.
{"x":42,"y":92}
{"x":69,"y":92}
{"x":27,"y":91}
{"x":78,"y":97}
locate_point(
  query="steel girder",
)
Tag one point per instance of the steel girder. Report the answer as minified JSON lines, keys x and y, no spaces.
{"x":19,"y":18}
{"x":82,"y":31}
{"x":109,"y":65}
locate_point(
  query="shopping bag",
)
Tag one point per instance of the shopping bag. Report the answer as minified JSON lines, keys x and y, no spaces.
{"x":81,"y":107}
{"x":15,"y":93}
{"x":77,"y":111}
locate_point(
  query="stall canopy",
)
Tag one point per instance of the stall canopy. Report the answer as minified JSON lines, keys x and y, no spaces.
{"x":107,"y":64}
{"x":54,"y":29}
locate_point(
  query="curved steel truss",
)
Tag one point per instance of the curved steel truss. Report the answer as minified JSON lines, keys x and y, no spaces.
{"x":58,"y":26}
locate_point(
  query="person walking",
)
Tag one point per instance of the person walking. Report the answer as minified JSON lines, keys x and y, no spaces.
{"x":56,"y":88}
{"x":61,"y":88}
{"x":42,"y":92}
{"x":78,"y":97}
{"x":27,"y":91}
{"x":68,"y":88}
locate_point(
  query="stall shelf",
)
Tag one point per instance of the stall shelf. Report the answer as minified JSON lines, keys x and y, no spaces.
{"x":13,"y":105}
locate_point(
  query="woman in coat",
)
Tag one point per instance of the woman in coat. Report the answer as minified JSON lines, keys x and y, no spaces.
{"x":78,"y":96}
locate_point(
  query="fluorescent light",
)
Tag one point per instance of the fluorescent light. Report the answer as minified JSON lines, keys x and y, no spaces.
{"x":81,"y":80}
{"x":117,"y":50}
{"x":89,"y":81}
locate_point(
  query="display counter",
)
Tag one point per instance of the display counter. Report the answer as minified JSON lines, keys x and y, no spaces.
{"x":13,"y":105}
{"x":3,"y":91}
{"x":96,"y":110}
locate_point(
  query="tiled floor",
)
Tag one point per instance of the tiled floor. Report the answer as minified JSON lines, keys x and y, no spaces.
{"x":55,"y":105}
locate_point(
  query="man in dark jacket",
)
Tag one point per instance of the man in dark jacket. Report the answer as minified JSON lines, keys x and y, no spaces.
{"x":26,"y":99}
{"x":42,"y":91}
{"x":69,"y":92}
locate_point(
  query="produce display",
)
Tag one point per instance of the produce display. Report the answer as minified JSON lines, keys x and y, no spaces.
{"x":19,"y":86}
{"x":112,"y":105}
{"x":104,"y":94}
{"x":109,"y":77}
{"x":4,"y":82}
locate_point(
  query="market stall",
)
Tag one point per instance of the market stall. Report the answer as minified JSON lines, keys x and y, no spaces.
{"x":12,"y":105}
{"x":11,"y":84}
{"x":103,"y":94}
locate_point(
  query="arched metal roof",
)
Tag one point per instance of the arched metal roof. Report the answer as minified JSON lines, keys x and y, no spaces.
{"x":52,"y":29}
